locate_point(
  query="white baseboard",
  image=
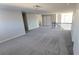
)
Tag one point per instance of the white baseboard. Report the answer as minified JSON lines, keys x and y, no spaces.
{"x":11,"y":38}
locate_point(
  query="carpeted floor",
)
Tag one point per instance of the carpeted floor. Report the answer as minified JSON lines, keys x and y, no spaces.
{"x":41,"y":41}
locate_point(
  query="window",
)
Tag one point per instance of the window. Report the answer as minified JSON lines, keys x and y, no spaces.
{"x":66,"y":20}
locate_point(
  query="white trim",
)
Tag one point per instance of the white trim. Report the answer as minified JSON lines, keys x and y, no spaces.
{"x":11,"y":38}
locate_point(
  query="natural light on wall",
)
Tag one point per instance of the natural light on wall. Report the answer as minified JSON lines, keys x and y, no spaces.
{"x":66,"y":20}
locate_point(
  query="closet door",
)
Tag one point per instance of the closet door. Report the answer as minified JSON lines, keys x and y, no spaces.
{"x":47,"y":20}
{"x":44,"y":20}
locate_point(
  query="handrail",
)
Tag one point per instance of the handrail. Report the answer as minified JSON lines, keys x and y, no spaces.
{"x":63,"y":23}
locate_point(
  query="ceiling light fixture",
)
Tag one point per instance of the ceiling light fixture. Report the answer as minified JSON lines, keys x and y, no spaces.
{"x":36,"y":6}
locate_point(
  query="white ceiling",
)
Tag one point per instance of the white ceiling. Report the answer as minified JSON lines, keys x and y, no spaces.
{"x":44,"y":7}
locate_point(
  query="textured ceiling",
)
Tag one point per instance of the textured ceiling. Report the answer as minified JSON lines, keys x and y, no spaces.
{"x":44,"y":7}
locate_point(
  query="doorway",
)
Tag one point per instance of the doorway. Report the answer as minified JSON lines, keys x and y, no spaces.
{"x":49,"y":20}
{"x":25,"y":21}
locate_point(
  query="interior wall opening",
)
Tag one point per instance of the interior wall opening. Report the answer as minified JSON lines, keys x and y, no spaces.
{"x":25,"y":21}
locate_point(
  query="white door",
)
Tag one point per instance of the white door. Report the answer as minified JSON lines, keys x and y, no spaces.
{"x":47,"y":20}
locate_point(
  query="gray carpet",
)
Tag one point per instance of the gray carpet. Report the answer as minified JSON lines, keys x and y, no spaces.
{"x":41,"y":41}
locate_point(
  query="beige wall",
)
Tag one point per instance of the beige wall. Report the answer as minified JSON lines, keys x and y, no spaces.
{"x":75,"y":30}
{"x":11,"y":24}
{"x":39,"y":17}
{"x":58,"y":18}
{"x":33,"y":20}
